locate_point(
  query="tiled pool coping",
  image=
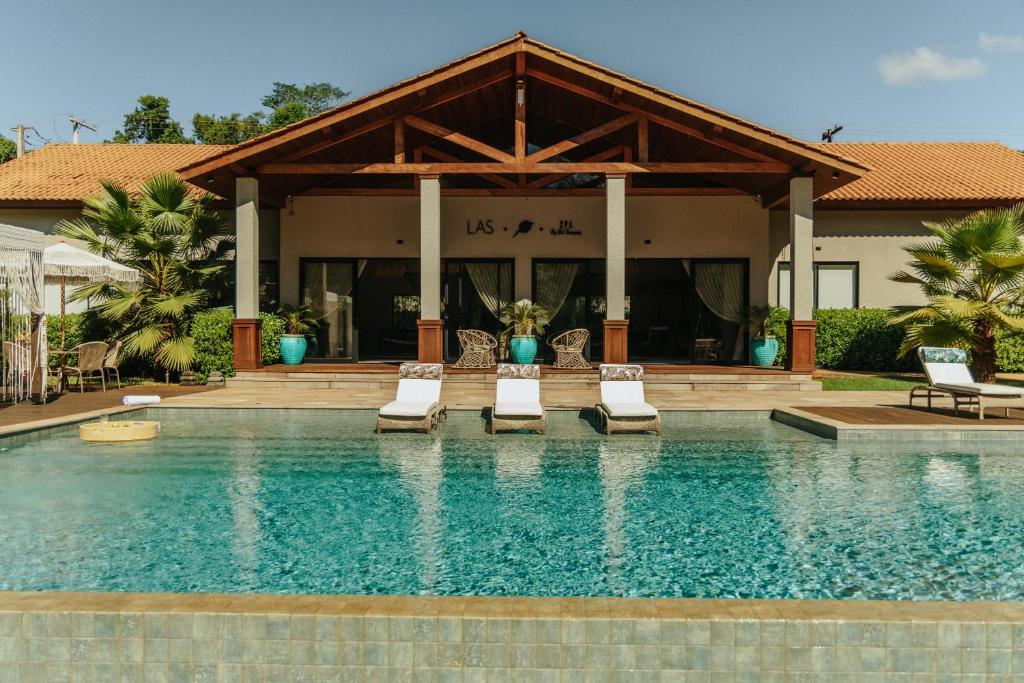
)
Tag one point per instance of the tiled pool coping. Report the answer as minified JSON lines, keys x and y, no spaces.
{"x":843,"y":431}
{"x":172,"y":637}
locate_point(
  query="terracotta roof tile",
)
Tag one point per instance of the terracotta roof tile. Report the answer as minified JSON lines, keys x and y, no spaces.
{"x":931,"y":172}
{"x":62,"y":173}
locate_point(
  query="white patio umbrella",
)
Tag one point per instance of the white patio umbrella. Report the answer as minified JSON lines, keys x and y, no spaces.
{"x":70,"y":265}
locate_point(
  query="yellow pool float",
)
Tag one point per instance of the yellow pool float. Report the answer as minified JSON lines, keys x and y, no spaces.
{"x":119,"y":430}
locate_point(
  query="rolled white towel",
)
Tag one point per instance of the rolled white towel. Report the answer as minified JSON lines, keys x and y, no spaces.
{"x":140,"y":400}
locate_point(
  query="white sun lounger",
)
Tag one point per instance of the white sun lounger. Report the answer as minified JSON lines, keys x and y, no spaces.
{"x":623,"y":407}
{"x":948,"y":375}
{"x":417,"y":406}
{"x":517,"y":399}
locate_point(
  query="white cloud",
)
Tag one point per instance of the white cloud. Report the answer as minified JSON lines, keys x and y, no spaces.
{"x":925,"y":64}
{"x":996,"y":43}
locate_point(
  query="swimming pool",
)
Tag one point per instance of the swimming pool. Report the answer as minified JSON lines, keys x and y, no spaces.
{"x":290,"y":501}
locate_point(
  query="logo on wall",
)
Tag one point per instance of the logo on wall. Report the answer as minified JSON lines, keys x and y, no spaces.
{"x":487,"y":226}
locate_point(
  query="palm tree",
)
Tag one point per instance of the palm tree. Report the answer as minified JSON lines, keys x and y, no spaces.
{"x":973,"y":276}
{"x":177,"y":243}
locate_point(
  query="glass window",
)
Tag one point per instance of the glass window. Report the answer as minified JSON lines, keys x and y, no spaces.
{"x":327,"y":289}
{"x":836,"y":285}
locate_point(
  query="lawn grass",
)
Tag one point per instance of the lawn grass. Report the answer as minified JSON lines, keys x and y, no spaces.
{"x":872,"y":383}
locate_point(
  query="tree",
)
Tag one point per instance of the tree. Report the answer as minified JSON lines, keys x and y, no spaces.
{"x":314,"y":98}
{"x":180,"y":246}
{"x":285,"y":115}
{"x":8,"y":150}
{"x":973,"y":276}
{"x":151,"y":122}
{"x":211,"y":129}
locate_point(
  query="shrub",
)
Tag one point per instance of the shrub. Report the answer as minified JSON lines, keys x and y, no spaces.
{"x":1009,"y":352}
{"x":211,"y":330}
{"x":860,"y":339}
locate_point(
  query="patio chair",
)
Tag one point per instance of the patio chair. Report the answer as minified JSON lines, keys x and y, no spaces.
{"x":623,"y":407}
{"x":477,"y":349}
{"x":948,"y":375}
{"x":517,"y":399}
{"x":417,"y":405}
{"x":90,"y":362}
{"x":112,"y":360}
{"x":569,"y":347}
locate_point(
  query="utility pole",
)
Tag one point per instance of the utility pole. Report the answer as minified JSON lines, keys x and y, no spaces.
{"x":76,"y":124}
{"x":20,"y":130}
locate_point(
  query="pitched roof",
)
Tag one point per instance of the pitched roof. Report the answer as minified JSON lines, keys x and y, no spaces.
{"x":930,"y":174}
{"x":65,"y":174}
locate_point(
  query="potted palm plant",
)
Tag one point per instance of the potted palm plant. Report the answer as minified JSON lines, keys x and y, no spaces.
{"x":523,"y":320}
{"x":298,"y":320}
{"x":764,"y":347}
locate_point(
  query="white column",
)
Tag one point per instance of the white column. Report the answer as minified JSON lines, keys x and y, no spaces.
{"x":801,"y":248}
{"x":615,"y":254}
{"x":247,"y":248}
{"x":430,"y":248}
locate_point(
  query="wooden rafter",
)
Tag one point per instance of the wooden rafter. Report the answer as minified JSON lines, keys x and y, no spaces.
{"x":388,"y":120}
{"x":583,"y":138}
{"x":661,"y":121}
{"x":444,"y":156}
{"x":525,"y":192}
{"x":604,"y":155}
{"x":459,"y":139}
{"x":641,"y":140}
{"x":399,"y":141}
{"x":511,"y":167}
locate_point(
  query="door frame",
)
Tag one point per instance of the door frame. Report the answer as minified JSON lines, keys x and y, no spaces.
{"x":461,"y":260}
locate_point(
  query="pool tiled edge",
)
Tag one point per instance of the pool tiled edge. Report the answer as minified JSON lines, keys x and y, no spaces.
{"x":172,"y":637}
{"x":842,"y":431}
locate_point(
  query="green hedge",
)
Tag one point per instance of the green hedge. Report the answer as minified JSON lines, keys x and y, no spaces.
{"x":854,"y":339}
{"x":211,"y":330}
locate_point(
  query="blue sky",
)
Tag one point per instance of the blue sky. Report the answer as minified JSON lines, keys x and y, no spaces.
{"x":887,"y":70}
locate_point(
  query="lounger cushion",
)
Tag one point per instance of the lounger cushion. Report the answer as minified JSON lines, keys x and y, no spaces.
{"x":982,"y":389}
{"x":419,"y":391}
{"x":408,"y":409}
{"x":518,"y":409}
{"x":635,"y":409}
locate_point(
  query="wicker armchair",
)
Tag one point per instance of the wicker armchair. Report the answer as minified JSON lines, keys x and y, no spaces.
{"x":569,"y":347}
{"x":112,"y":360}
{"x":90,"y":363}
{"x":477,"y":349}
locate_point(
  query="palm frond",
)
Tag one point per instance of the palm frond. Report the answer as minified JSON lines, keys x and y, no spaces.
{"x":177,"y":353}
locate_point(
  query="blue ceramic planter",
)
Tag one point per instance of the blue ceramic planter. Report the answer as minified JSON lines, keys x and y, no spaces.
{"x":523,"y":349}
{"x":293,"y":348}
{"x":764,"y":351}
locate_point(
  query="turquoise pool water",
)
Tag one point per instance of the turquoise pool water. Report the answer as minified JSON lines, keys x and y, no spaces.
{"x":314,"y":502}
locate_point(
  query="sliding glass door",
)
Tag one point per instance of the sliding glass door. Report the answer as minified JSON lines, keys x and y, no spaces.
{"x":473,"y":292}
{"x":573,"y":292}
{"x":720,"y":298}
{"x":328,"y":287}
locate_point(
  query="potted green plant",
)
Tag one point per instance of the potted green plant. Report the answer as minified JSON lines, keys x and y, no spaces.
{"x":298,"y":320}
{"x":764,"y":347}
{"x":523,"y":320}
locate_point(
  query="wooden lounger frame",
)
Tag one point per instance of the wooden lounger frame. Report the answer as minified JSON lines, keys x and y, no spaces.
{"x":426,"y":424}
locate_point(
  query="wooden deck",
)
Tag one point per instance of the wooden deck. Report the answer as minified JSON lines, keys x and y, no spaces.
{"x":653,"y":368}
{"x":897,"y":416}
{"x":73,"y":403}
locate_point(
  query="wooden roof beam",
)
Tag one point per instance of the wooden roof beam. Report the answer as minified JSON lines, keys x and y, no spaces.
{"x":476,"y":168}
{"x":660,"y":120}
{"x":600,"y":156}
{"x":583,"y":138}
{"x":444,"y":156}
{"x":458,"y":139}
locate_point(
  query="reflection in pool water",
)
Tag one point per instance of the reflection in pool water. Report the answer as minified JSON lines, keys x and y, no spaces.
{"x":314,"y":502}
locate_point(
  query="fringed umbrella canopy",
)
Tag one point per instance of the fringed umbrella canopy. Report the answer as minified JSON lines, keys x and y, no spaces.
{"x":70,"y":265}
{"x":22,"y":315}
{"x":74,"y":266}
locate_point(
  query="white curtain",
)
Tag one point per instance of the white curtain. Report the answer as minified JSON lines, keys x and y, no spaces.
{"x":720,"y":287}
{"x":554,"y":280}
{"x":491,"y":280}
{"x":22,"y":300}
{"x":324,"y":278}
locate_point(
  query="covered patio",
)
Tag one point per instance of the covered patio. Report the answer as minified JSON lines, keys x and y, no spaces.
{"x":518,"y":156}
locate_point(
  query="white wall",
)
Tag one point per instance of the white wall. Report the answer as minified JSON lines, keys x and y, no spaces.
{"x":373,"y":227}
{"x":874,"y":239}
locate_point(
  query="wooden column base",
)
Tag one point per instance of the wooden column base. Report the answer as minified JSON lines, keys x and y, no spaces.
{"x":616,"y":341}
{"x":431,"y":341}
{"x":800,"y":345}
{"x":248,"y":343}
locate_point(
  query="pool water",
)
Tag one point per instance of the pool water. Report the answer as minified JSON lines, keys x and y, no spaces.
{"x":314,"y":502}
